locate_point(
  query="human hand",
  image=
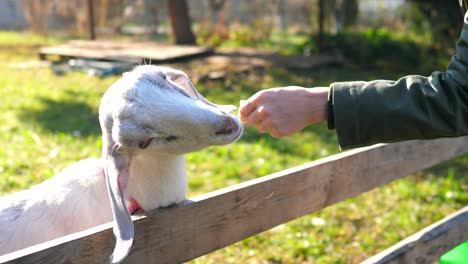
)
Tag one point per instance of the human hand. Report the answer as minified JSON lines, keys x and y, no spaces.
{"x":284,"y":111}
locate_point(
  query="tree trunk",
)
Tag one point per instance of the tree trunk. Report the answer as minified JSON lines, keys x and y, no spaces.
{"x":91,"y":32}
{"x":180,"y":22}
{"x":321,"y":18}
{"x":338,"y":16}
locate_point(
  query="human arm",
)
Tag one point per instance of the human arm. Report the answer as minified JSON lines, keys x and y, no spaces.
{"x":364,"y":113}
{"x":284,"y":111}
{"x":414,"y":107}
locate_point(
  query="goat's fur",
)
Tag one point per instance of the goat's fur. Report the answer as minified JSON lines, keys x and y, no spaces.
{"x":149,"y":118}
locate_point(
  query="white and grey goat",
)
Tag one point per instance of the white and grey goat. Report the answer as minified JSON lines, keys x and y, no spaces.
{"x":149,"y":118}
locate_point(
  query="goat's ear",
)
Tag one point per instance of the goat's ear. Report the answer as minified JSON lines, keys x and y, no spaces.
{"x":116,"y":169}
{"x":183,"y":81}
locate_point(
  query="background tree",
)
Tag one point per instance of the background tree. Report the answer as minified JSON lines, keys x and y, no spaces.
{"x":215,"y":8}
{"x":36,"y":13}
{"x":445,"y":17}
{"x":180,"y":22}
{"x":351,"y":12}
{"x":321,"y":22}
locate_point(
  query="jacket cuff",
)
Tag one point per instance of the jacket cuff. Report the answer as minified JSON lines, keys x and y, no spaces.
{"x":346,"y":113}
{"x":330,"y":114}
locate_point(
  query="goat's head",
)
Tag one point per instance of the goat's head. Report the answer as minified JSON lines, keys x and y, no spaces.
{"x":159,"y":109}
{"x":154,"y":110}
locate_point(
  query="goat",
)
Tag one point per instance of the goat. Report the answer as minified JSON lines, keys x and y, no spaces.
{"x":149,"y":119}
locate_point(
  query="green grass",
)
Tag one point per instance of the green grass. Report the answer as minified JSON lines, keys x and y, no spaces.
{"x":49,"y":121}
{"x":26,"y":38}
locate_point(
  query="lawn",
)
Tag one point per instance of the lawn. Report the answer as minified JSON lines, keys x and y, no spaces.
{"x":49,"y":121}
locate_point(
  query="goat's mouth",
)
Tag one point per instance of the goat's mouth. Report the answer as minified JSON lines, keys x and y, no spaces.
{"x":238,"y":134}
{"x":230,"y":135}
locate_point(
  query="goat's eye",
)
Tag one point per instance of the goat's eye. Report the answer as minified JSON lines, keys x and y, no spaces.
{"x":164,"y":76}
{"x":171,"y":138}
{"x":144,"y":144}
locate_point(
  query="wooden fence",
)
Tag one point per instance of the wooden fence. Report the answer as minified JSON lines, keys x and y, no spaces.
{"x":223,"y":217}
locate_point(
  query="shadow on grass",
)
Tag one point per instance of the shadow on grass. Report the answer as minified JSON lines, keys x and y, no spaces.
{"x":456,"y":169}
{"x":66,"y":116}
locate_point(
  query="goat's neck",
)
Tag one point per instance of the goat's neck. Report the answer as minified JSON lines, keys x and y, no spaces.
{"x":157,"y":180}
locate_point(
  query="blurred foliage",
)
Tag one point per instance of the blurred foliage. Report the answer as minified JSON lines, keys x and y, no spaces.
{"x":444,"y":18}
{"x":418,"y":39}
{"x":237,"y":35}
{"x":381,"y":48}
{"x":344,"y":13}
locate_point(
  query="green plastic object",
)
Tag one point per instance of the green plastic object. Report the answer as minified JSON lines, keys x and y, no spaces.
{"x":458,"y":255}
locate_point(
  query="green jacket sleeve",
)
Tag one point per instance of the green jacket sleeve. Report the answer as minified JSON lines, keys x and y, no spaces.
{"x":414,"y":107}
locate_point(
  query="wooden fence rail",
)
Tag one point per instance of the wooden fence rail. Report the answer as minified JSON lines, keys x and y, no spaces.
{"x":221,"y":218}
{"x":427,"y":245}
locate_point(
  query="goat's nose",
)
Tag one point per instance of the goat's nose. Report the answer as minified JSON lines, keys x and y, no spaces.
{"x":227,"y":126}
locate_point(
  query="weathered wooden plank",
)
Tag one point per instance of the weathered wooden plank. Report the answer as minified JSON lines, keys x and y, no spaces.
{"x":113,"y":50}
{"x":223,"y":217}
{"x":427,"y":245}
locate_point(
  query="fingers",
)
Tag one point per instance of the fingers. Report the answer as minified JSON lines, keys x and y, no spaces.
{"x":245,"y":109}
{"x":254,"y":119}
{"x":263,"y":127}
{"x":261,"y":120}
{"x":258,"y":116}
{"x":268,"y":127}
{"x":274,"y":132}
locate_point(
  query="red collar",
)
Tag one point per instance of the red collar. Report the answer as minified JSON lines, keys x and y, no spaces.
{"x":134,"y":207}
